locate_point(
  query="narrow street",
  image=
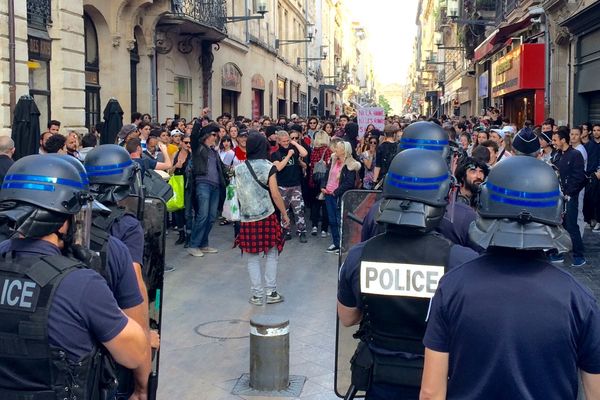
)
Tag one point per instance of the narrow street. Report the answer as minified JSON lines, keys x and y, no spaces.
{"x":205,"y":343}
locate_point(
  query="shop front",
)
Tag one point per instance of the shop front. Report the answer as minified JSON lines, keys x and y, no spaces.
{"x":518,"y":84}
{"x":295,"y":96}
{"x":40,"y":53}
{"x":281,"y":97}
{"x":258,"y":93}
{"x":231,"y":87}
{"x":585,"y":26}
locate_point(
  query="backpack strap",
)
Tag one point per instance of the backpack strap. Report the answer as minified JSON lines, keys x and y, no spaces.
{"x":42,"y":275}
{"x":249,"y":166}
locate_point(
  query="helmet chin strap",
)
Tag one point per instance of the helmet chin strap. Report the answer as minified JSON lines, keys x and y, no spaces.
{"x":67,"y":238}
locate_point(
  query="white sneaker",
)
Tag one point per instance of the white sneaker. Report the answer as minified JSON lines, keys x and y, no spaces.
{"x":596,"y":228}
{"x":333,"y":249}
{"x":196,"y":252}
{"x":209,"y":250}
{"x":314,"y":231}
{"x":323,"y":234}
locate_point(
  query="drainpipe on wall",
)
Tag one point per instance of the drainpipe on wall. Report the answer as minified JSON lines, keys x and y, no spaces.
{"x":12,"y":88}
{"x":154,"y":80}
{"x":547,"y":67}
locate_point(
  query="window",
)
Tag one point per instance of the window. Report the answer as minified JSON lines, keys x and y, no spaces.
{"x":183,"y":97}
{"x":92,"y":74}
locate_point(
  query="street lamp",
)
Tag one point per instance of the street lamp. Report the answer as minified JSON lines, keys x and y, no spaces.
{"x":261,"y":10}
{"x":323,"y":57}
{"x":309,"y":37}
{"x":453,"y":12}
{"x":453,"y":63}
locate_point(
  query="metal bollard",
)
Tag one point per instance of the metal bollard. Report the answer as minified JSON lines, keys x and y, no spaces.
{"x":269,"y":353}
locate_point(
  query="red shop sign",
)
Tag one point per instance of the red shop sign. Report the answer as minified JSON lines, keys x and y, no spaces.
{"x":520,"y":69}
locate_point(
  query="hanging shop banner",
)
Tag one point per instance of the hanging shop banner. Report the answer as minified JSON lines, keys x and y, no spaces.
{"x":370,"y":115}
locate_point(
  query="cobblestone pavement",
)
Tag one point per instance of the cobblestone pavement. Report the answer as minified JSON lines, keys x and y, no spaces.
{"x":205,"y":344}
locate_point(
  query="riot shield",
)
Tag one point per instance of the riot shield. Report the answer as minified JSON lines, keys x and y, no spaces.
{"x":355,"y":206}
{"x":155,"y":227}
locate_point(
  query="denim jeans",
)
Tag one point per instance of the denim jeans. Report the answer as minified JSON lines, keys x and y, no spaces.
{"x":256,"y":283}
{"x":207,"y":203}
{"x":333,"y":212}
{"x":570,"y":224}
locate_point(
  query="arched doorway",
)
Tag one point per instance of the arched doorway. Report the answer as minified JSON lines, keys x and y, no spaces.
{"x":92,"y":73}
{"x":231,"y":87}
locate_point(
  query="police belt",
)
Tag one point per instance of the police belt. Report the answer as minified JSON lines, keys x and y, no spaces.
{"x":371,"y":367}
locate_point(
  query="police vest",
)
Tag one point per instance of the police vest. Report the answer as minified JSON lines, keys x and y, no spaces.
{"x":100,"y":233}
{"x":30,"y":368}
{"x":398,"y":276}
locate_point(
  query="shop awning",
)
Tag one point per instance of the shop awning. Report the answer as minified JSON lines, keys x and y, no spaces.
{"x":499,"y":38}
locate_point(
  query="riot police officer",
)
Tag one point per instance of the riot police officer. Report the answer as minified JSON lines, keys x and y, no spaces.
{"x":114,"y":180}
{"x":455,"y":224}
{"x":385,"y":282}
{"x":508,"y":324}
{"x":55,"y":313}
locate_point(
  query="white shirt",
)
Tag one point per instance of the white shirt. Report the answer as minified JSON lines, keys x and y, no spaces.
{"x":584,"y":153}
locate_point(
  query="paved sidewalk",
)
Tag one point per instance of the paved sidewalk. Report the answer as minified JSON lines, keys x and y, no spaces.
{"x":205,"y":344}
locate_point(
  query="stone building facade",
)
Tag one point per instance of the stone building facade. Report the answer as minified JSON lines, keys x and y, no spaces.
{"x":166,"y":58}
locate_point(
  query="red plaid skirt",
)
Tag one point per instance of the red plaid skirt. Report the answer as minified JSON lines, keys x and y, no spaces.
{"x":260,"y":236}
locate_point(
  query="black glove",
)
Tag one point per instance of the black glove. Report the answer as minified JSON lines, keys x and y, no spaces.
{"x":89,"y":258}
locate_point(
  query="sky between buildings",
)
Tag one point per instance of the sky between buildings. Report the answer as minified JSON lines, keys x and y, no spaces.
{"x":391,"y":28}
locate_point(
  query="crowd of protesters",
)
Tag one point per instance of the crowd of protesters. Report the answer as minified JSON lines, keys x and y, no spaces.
{"x":316,"y":160}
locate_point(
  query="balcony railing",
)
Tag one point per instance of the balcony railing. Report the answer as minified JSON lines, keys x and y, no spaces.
{"x":38,"y":14}
{"x":210,"y":13}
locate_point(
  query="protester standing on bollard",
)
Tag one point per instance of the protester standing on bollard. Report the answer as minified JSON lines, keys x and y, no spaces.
{"x":260,"y":231}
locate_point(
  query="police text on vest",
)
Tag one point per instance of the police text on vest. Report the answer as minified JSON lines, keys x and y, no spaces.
{"x":19,"y":294}
{"x":404,"y":280}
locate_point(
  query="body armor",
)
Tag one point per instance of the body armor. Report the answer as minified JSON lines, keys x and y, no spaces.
{"x":393,"y":326}
{"x":32,"y":369}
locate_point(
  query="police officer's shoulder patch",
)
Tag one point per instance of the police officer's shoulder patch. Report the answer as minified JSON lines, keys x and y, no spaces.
{"x":18,"y":294}
{"x":397,"y":279}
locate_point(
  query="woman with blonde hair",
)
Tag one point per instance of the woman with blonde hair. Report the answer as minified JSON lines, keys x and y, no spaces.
{"x":317,"y":172}
{"x":341,"y":177}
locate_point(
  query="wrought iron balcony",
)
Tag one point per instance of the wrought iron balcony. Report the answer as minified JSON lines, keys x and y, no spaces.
{"x":210,"y":13}
{"x":38,"y":14}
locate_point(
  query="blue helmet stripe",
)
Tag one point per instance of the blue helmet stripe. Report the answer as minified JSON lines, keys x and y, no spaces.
{"x":106,"y":173}
{"x":410,"y":186}
{"x":29,"y":186}
{"x":43,"y":179}
{"x":522,"y":195}
{"x":424,"y":141}
{"x":413,"y":179}
{"x":406,"y":146}
{"x":122,"y":165}
{"x":525,"y":203}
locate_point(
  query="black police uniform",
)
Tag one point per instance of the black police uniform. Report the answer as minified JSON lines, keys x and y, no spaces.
{"x":53,"y":323}
{"x":514,"y":325}
{"x":392,"y":276}
{"x":454,"y":226}
{"x":54,"y":313}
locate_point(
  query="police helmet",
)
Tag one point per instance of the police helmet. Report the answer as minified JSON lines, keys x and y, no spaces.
{"x":521,"y":206}
{"x":110,"y":164}
{"x":426,"y":135}
{"x":415,"y":190}
{"x":112,"y":173}
{"x":78,"y":166}
{"x":40,"y":193}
